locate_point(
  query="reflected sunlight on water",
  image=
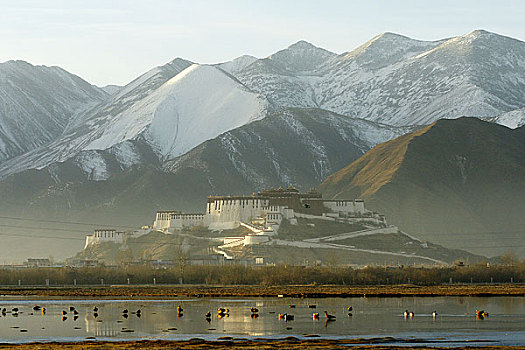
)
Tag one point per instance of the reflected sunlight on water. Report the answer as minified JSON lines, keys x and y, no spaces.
{"x":159,"y":319}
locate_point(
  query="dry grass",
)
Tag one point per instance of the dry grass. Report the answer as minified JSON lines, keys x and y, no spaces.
{"x":317,"y":291}
{"x":287,"y":343}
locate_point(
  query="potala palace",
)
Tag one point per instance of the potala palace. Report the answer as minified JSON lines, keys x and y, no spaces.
{"x":261,"y":213}
{"x":275,"y":226}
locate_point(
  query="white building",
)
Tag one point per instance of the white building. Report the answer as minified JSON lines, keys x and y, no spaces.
{"x":104,"y":235}
{"x":266,"y":209}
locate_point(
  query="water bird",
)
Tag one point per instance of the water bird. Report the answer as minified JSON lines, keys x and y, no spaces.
{"x":71,"y":308}
{"x":434,"y":314}
{"x":481,"y":313}
{"x":43,"y":311}
{"x":139,"y":312}
{"x":37,"y":307}
{"x":286,"y":317}
{"x":64,"y":318}
{"x":315,"y":316}
{"x":222,"y":312}
{"x":405,"y":313}
{"x":95,"y":315}
{"x":411,"y":314}
{"x":208,"y":314}
{"x":254,"y":310}
{"x":328,"y":316}
{"x":125,"y":315}
{"x":350,"y":308}
{"x":75,"y":318}
{"x":95,"y":309}
{"x":125,"y":311}
{"x":179,"y":309}
{"x":254,"y":315}
{"x":64,"y":312}
{"x":15,"y":309}
{"x":75,"y":312}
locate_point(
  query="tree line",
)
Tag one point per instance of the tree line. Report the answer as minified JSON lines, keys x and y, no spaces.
{"x":264,"y":276}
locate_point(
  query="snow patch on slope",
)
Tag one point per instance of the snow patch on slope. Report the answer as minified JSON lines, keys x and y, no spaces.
{"x":513,"y":119}
{"x":196,"y":105}
{"x":126,"y":154}
{"x":93,"y":164}
{"x":202,"y":103}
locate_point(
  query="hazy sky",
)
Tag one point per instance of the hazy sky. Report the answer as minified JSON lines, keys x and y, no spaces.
{"x":113,"y":41}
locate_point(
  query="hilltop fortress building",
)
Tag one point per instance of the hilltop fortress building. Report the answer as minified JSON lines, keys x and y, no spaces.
{"x":261,"y":213}
{"x":264,"y":211}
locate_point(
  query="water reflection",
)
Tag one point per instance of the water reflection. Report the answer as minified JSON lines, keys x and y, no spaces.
{"x":160,"y":319}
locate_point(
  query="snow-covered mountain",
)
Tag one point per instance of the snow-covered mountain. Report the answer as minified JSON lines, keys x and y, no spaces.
{"x":392,"y":79}
{"x":397,"y":80}
{"x":37,"y":103}
{"x":173,"y":108}
{"x":288,"y":77}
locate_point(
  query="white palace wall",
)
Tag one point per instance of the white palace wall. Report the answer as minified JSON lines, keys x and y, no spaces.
{"x":346,"y":206}
{"x":99,"y":236}
{"x":228,"y":213}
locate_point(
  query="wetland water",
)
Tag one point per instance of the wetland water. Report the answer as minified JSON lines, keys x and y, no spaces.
{"x":371,"y":317}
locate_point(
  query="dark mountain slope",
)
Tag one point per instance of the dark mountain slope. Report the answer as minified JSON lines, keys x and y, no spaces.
{"x":460,"y":183}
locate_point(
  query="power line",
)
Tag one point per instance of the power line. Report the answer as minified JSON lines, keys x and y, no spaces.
{"x":43,"y":228}
{"x":46,"y":237}
{"x":64,"y":222}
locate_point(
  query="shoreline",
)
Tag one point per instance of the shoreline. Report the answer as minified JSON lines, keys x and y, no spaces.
{"x":261,"y":343}
{"x":295,"y":291}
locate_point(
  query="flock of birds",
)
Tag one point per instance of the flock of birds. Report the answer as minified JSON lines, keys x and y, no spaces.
{"x":221,"y":313}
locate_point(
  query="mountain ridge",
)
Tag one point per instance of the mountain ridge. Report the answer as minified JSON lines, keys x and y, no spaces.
{"x":37,"y":103}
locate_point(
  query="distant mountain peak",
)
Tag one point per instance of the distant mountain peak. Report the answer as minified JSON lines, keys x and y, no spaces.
{"x":301,"y":56}
{"x":391,"y":36}
{"x":301,"y":45}
{"x":178,"y":60}
{"x":387,"y":48}
{"x":480,"y":35}
{"x":479,"y":32}
{"x":237,"y":64}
